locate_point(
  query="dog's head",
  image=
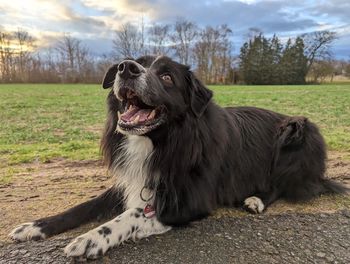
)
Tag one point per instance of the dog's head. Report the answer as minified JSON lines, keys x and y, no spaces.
{"x":153,"y":91}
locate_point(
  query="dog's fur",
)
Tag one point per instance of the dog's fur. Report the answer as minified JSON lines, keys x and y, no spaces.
{"x":199,"y":157}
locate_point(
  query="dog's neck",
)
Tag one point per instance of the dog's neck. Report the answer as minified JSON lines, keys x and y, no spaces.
{"x":131,"y":169}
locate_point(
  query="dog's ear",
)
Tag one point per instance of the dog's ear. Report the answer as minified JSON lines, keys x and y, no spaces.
{"x":200,"y":95}
{"x":109,"y":78}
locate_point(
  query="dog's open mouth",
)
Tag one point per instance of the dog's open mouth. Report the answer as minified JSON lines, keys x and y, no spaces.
{"x":138,"y":118}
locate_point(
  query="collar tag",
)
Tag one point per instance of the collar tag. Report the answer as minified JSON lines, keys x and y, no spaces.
{"x":149,"y":211}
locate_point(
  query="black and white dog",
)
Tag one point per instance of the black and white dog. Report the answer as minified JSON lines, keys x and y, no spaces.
{"x":177,"y":156}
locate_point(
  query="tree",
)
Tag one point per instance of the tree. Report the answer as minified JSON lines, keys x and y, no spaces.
{"x":73,"y":59}
{"x":256,"y":61}
{"x":347,"y":70}
{"x":317,"y":45}
{"x":129,"y":41}
{"x":6,"y":56}
{"x":185,"y":33}
{"x":25,"y":45}
{"x":293,"y":65}
{"x":212,"y":54}
{"x":276,"y":55}
{"x":159,"y":39}
{"x":320,"y":70}
{"x":265,"y":61}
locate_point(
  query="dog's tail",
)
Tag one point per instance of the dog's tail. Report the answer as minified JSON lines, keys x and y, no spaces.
{"x":300,"y":148}
{"x":333,"y":187}
{"x":290,"y":134}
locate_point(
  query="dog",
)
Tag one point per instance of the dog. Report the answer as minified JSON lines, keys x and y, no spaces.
{"x":177,"y":156}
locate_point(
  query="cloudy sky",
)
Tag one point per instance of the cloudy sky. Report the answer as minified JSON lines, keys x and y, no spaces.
{"x":95,"y":21}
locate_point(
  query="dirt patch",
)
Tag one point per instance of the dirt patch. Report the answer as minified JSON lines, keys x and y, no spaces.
{"x":40,"y":189}
{"x":37,"y":190}
{"x":94,"y":129}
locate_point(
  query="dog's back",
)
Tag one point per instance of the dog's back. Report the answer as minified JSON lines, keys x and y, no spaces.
{"x":280,"y":156}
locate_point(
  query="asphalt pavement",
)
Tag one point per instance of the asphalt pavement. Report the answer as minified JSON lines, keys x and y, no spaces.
{"x":285,"y":238}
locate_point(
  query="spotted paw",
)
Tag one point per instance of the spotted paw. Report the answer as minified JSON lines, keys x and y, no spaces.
{"x":254,"y":205}
{"x":91,"y":245}
{"x":27,"y":231}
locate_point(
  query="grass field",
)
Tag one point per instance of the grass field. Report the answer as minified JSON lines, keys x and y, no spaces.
{"x":41,"y":122}
{"x":63,"y":124}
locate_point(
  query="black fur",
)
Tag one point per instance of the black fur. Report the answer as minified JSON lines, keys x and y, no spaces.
{"x":209,"y":156}
{"x":107,"y":204}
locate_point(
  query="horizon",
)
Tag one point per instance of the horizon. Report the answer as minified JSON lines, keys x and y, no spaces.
{"x":95,"y":22}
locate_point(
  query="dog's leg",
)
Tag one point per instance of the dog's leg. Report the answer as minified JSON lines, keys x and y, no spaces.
{"x":258,"y":203}
{"x":111,"y":200}
{"x":130,"y":224}
{"x":254,"y":204}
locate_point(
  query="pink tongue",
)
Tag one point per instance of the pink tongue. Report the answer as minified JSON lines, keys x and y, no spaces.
{"x":132,"y":114}
{"x":143,"y":114}
{"x":128,"y":114}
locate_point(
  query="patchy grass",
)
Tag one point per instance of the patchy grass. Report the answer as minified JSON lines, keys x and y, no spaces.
{"x":326,"y":105}
{"x":39,"y":122}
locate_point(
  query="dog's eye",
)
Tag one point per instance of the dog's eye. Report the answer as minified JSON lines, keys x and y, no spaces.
{"x":167,"y":78}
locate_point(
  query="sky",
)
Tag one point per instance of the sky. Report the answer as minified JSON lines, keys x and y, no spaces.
{"x":95,"y":21}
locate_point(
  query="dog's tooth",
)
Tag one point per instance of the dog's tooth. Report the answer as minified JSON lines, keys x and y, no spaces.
{"x":152,"y":114}
{"x":136,"y":119}
{"x":119,"y":115}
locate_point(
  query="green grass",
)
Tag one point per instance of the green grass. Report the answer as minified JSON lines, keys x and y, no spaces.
{"x":41,"y":122}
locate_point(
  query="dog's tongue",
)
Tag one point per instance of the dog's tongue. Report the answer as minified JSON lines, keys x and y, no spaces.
{"x":132,"y":113}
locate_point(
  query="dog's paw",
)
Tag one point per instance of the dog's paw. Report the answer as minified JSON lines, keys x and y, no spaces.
{"x":254,"y":205}
{"x":27,"y":231}
{"x":91,"y":245}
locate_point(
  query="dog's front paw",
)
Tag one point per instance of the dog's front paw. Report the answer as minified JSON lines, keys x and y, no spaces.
{"x":254,"y":205}
{"x":27,"y":231}
{"x":90,"y":245}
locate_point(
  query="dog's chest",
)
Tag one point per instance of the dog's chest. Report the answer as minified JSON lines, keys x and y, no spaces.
{"x":131,"y":176}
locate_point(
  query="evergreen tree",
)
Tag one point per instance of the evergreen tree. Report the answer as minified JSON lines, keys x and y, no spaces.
{"x":265,"y":61}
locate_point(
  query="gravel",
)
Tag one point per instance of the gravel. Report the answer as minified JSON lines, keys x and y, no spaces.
{"x":285,"y":238}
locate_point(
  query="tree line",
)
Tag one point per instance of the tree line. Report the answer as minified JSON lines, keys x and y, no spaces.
{"x":267,"y":61}
{"x":69,"y":61}
{"x":208,"y":50}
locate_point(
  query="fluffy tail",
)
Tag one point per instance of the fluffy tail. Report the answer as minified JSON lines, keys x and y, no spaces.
{"x":299,"y":161}
{"x":334,"y":187}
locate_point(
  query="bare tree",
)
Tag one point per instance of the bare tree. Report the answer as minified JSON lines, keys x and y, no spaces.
{"x":24,"y":50}
{"x":213,"y":54}
{"x":320,"y":70}
{"x":129,"y":41}
{"x":73,"y":58}
{"x":185,"y":33}
{"x":317,"y":45}
{"x":347,"y":70}
{"x":159,"y":39}
{"x":6,"y":56}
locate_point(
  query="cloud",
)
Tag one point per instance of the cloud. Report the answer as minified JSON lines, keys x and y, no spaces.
{"x":95,"y":20}
{"x":338,"y":10}
{"x":270,"y":16}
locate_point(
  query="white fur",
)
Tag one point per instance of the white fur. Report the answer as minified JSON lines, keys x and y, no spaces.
{"x":26,"y":231}
{"x":122,"y":228}
{"x":131,"y":177}
{"x":255,"y":204}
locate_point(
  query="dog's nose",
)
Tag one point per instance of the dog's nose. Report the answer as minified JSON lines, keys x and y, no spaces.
{"x":129,"y":69}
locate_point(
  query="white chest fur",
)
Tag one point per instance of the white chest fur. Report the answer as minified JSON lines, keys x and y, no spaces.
{"x":132,"y":175}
